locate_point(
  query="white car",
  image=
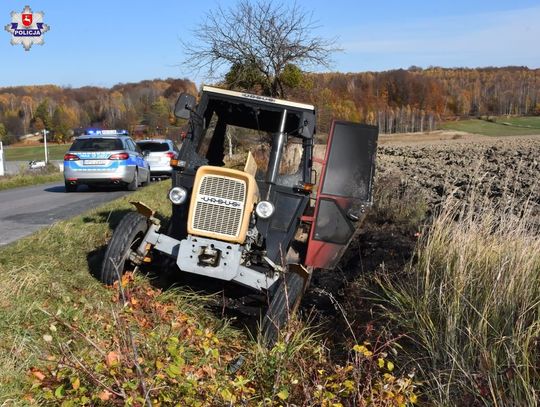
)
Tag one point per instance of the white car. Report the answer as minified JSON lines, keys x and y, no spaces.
{"x":158,"y":153}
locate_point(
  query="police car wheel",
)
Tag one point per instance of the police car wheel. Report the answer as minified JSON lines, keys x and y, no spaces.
{"x":282,"y":306}
{"x":134,"y":184}
{"x":70,"y":187}
{"x":125,"y":239}
{"x":147,"y":182}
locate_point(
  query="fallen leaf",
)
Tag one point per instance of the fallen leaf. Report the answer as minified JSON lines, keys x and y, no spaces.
{"x":283,"y":394}
{"x":105,"y":395}
{"x":59,"y":392}
{"x":112,"y":359}
{"x":210,"y":371}
{"x":37,"y":374}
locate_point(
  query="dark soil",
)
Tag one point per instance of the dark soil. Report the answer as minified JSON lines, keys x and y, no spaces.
{"x":502,"y":170}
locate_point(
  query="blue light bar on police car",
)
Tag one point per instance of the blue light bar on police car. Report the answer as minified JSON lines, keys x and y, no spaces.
{"x":106,"y":132}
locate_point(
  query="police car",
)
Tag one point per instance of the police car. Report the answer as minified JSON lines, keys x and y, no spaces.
{"x":102,"y":157}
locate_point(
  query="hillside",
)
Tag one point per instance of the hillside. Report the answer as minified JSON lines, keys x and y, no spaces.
{"x":397,"y":101}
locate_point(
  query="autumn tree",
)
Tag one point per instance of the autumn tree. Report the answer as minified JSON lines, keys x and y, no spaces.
{"x":3,"y":133}
{"x":255,"y":41}
{"x":37,"y":124}
{"x":42,"y":113}
{"x":64,"y":120}
{"x":13,"y":123}
{"x":158,"y":115}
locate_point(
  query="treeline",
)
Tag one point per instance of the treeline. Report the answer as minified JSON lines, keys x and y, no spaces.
{"x":28,"y":109}
{"x":397,"y":101}
{"x":417,"y":99}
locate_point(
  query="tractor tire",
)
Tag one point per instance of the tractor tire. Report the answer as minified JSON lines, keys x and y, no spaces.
{"x":70,"y":187}
{"x":134,"y":184}
{"x":126,"y":237}
{"x":282,"y":306}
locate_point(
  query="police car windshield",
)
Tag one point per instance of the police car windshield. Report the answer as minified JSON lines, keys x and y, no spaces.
{"x":153,"y":146}
{"x":97,"y":144}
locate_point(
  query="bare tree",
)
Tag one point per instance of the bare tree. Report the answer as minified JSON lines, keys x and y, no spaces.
{"x":258,"y":42}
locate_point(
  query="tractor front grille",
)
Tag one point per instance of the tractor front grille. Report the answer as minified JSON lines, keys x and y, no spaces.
{"x":219,"y":205}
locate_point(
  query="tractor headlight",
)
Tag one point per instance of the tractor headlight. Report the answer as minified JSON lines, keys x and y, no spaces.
{"x":177,"y":195}
{"x":264,"y":209}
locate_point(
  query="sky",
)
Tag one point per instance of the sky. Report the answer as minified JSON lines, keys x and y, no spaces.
{"x":102,"y":43}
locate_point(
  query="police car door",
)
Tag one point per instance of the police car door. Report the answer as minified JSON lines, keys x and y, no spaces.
{"x":344,"y":192}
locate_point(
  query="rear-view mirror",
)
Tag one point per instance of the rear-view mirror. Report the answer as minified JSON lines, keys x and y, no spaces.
{"x":184,"y":105}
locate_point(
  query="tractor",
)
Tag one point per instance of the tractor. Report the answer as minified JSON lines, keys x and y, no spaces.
{"x":266,"y":226}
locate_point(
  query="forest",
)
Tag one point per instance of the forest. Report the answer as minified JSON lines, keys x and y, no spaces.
{"x":411,"y":100}
{"x":418,"y":99}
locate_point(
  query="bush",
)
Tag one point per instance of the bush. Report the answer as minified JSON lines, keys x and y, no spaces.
{"x":8,"y":139}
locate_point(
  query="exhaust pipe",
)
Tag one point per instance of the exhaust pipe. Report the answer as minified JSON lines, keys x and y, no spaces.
{"x":277,"y":150}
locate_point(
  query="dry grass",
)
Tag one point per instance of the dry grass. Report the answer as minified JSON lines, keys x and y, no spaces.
{"x":396,"y":203}
{"x":471,"y":301}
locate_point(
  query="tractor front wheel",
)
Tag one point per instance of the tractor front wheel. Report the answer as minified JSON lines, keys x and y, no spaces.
{"x":119,"y":256}
{"x":282,"y":306}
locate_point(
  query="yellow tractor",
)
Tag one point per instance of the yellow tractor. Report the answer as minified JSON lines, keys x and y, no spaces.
{"x":262,"y":227}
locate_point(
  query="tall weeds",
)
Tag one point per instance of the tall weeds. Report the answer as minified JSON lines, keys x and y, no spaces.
{"x":471,"y":301}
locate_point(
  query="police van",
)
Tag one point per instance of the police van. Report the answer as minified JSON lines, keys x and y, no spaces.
{"x":105,"y":157}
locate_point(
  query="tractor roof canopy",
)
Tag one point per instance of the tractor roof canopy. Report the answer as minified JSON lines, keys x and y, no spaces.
{"x":219,"y":109}
{"x":257,"y":112}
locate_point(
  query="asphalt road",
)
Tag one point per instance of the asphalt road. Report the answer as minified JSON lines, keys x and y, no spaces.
{"x":27,"y":209}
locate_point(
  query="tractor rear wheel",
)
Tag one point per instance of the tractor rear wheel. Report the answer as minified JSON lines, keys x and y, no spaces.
{"x":282,"y":306}
{"x":119,"y":255}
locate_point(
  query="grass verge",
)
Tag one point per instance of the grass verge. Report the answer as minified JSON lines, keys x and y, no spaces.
{"x":27,"y":153}
{"x":67,"y":340}
{"x":471,"y":303}
{"x":27,"y":179}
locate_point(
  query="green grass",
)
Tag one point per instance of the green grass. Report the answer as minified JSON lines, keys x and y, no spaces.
{"x":530,"y":121}
{"x":49,"y":271}
{"x":496,"y":128}
{"x":65,"y":339}
{"x":56,"y":152}
{"x":24,"y":180}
